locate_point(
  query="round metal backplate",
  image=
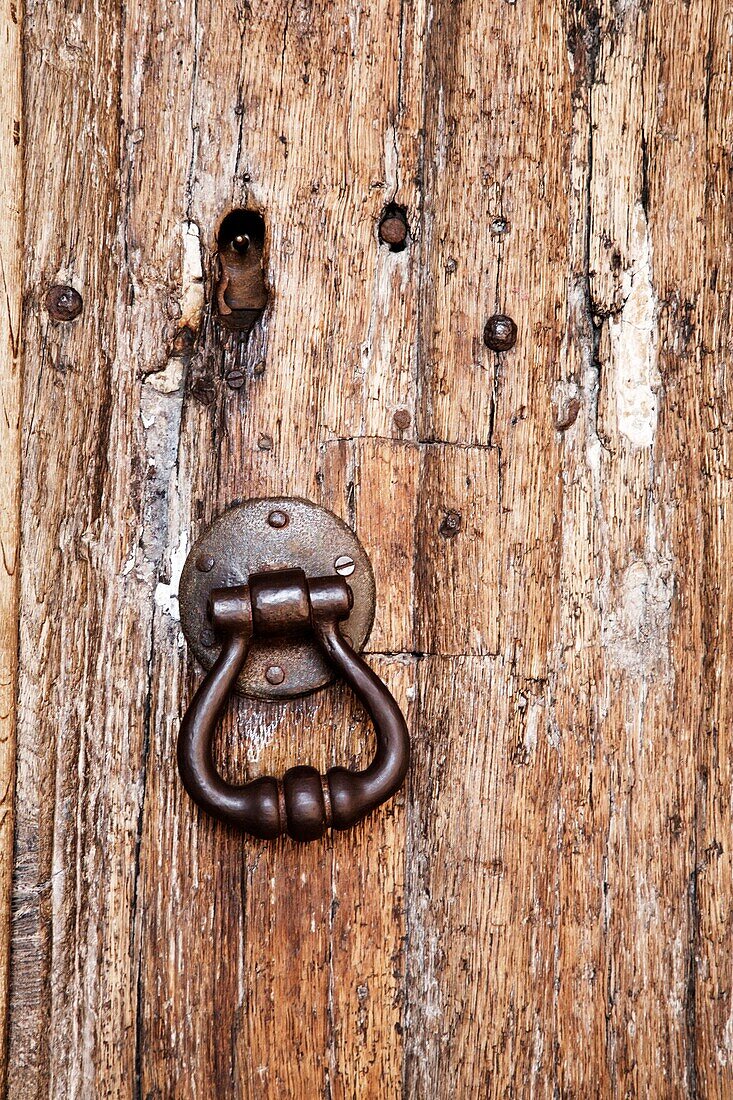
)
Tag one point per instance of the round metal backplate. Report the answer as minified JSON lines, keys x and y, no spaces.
{"x":257,"y":537}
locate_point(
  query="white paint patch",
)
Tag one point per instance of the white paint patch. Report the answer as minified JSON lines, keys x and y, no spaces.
{"x":128,"y":565}
{"x":166,"y":595}
{"x":440,"y":154}
{"x":169,"y":379}
{"x":634,"y":342}
{"x":531,"y":728}
{"x":192,"y":277}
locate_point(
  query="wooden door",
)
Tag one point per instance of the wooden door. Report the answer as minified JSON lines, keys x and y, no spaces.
{"x":545,"y":909}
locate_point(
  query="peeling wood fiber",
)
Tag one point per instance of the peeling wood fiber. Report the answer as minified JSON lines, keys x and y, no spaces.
{"x":545,"y":910}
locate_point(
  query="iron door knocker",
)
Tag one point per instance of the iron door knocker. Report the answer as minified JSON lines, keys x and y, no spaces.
{"x":267,"y":580}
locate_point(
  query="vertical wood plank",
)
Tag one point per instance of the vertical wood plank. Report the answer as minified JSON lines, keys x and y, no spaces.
{"x":11,"y":266}
{"x":584,"y":961}
{"x":706,"y":320}
{"x":77,"y":743}
{"x":313,"y":145}
{"x":641,"y":266}
{"x":482,"y":901}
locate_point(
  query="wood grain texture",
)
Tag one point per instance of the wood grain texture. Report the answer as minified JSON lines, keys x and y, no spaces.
{"x":545,"y":910}
{"x":11,"y":260}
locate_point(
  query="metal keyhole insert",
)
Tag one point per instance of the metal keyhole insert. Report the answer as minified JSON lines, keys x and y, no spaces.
{"x":241,"y":288}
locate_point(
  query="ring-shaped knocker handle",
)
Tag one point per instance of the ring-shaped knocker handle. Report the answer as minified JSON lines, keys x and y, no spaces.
{"x":303,"y":803}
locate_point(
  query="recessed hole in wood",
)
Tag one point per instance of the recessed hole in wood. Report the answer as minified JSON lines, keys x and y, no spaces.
{"x":241,"y":289}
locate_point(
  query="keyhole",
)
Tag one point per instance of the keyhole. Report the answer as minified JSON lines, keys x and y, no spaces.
{"x":241,"y":230}
{"x":241,"y":289}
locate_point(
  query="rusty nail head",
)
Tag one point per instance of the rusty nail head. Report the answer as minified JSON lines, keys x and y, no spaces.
{"x":451,"y":524}
{"x":264,"y":441}
{"x":402,"y":419}
{"x":64,"y":303}
{"x":500,"y":333}
{"x":278,"y":518}
{"x":204,"y":563}
{"x":393,"y":228}
{"x":344,"y":565}
{"x":274,"y":675}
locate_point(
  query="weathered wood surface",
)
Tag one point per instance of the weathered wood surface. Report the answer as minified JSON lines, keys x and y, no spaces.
{"x":11,"y":278}
{"x":546,"y":910}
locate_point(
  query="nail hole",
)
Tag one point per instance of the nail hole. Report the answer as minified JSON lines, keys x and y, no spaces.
{"x":451,"y":524}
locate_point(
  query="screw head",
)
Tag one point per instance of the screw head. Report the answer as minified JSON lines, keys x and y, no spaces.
{"x":207,"y":637}
{"x":204,"y":563}
{"x":500,"y":333}
{"x":278,"y":519}
{"x":64,"y":303}
{"x":235,"y":379}
{"x":344,"y":565}
{"x":274,"y":675}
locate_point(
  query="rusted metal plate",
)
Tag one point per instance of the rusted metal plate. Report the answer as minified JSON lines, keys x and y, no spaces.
{"x":263,"y":535}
